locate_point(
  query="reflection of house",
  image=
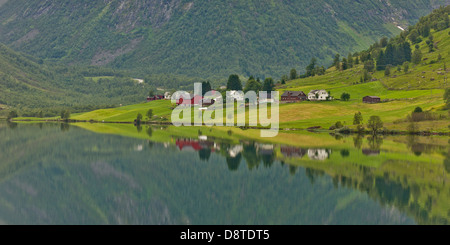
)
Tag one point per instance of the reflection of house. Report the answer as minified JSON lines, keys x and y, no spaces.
{"x":371,"y":99}
{"x":318,"y":154}
{"x":370,"y":152}
{"x":196,"y":145}
{"x":288,"y":151}
{"x":235,"y":150}
{"x":318,"y":95}
{"x":186,"y":144}
{"x":293,"y":96}
{"x":265,"y":149}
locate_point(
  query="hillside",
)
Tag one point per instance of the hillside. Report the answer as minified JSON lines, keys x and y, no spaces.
{"x":202,"y":38}
{"x":29,"y":86}
{"x":421,"y":85}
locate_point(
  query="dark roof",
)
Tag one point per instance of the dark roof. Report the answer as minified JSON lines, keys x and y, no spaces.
{"x":293,"y":93}
{"x":372,"y":97}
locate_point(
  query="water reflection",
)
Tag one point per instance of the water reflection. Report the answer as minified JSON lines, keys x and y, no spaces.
{"x":70,"y":175}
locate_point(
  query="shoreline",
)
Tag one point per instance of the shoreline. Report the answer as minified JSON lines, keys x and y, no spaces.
{"x":311,"y":129}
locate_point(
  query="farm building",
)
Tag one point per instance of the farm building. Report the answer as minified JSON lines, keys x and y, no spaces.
{"x":293,"y":96}
{"x":318,"y":95}
{"x":189,"y":99}
{"x":371,"y":99}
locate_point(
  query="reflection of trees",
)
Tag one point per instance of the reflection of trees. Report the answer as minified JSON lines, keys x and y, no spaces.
{"x":357,"y":141}
{"x":292,"y":169}
{"x":251,"y":156}
{"x":149,"y":132}
{"x":233,"y":162}
{"x":268,"y":160}
{"x":345,"y":153}
{"x":11,"y":125}
{"x":65,"y":127}
{"x":447,"y":162}
{"x":412,"y":142}
{"x":375,"y":142}
{"x":390,"y":189}
{"x":204,"y":154}
{"x":139,"y":127}
{"x":314,"y":174}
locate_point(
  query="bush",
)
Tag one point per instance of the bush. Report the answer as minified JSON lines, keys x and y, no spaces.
{"x":418,"y":109}
{"x":345,"y":96}
{"x":12,"y":114}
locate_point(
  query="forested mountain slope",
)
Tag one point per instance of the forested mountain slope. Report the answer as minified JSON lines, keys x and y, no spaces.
{"x":202,"y":38}
{"x":29,"y":86}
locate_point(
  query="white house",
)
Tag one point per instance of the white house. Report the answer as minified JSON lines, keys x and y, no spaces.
{"x":167,"y":95}
{"x":318,"y":95}
{"x":237,"y":95}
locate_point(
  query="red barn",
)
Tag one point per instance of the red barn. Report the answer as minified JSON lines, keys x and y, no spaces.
{"x":194,"y":100}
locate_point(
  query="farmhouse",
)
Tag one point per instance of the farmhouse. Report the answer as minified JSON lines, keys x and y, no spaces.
{"x":371,"y":99}
{"x":293,"y":96}
{"x":189,"y":99}
{"x":155,"y":97}
{"x":315,"y":95}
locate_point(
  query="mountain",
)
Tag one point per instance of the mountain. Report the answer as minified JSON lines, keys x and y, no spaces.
{"x":31,"y":86}
{"x":209,"y":39}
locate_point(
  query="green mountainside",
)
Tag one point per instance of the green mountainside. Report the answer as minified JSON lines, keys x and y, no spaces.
{"x":209,"y":39}
{"x":29,"y":86}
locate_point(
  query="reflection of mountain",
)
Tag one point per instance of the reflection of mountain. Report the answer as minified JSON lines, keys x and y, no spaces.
{"x":49,"y":176}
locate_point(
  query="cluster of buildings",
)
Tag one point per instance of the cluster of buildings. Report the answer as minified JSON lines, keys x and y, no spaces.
{"x":297,"y":96}
{"x":286,"y":97}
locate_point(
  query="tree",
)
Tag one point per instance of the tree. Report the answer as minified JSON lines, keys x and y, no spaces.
{"x":406,"y":67}
{"x":375,"y":124}
{"x":12,"y":114}
{"x":417,"y":56}
{"x":366,"y":76}
{"x":344,"y":64}
{"x":383,"y":42}
{"x":293,"y":74}
{"x":350,"y":61}
{"x":206,"y":87}
{"x":150,"y":114}
{"x":418,"y":110}
{"x":387,"y":71}
{"x":337,"y":59}
{"x":447,"y":97}
{"x":65,"y":114}
{"x":252,"y":85}
{"x":284,"y":78}
{"x":151,"y":93}
{"x":310,"y":67}
{"x":268,"y":85}
{"x":345,"y":96}
{"x":338,"y":124}
{"x":357,"y":118}
{"x":369,"y":66}
{"x":234,"y":83}
{"x":413,"y":36}
{"x":138,"y":118}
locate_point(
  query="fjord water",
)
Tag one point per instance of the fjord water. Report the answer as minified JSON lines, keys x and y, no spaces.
{"x":64,"y":174}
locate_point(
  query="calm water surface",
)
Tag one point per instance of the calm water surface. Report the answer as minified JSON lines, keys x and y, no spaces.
{"x":61,"y":174}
